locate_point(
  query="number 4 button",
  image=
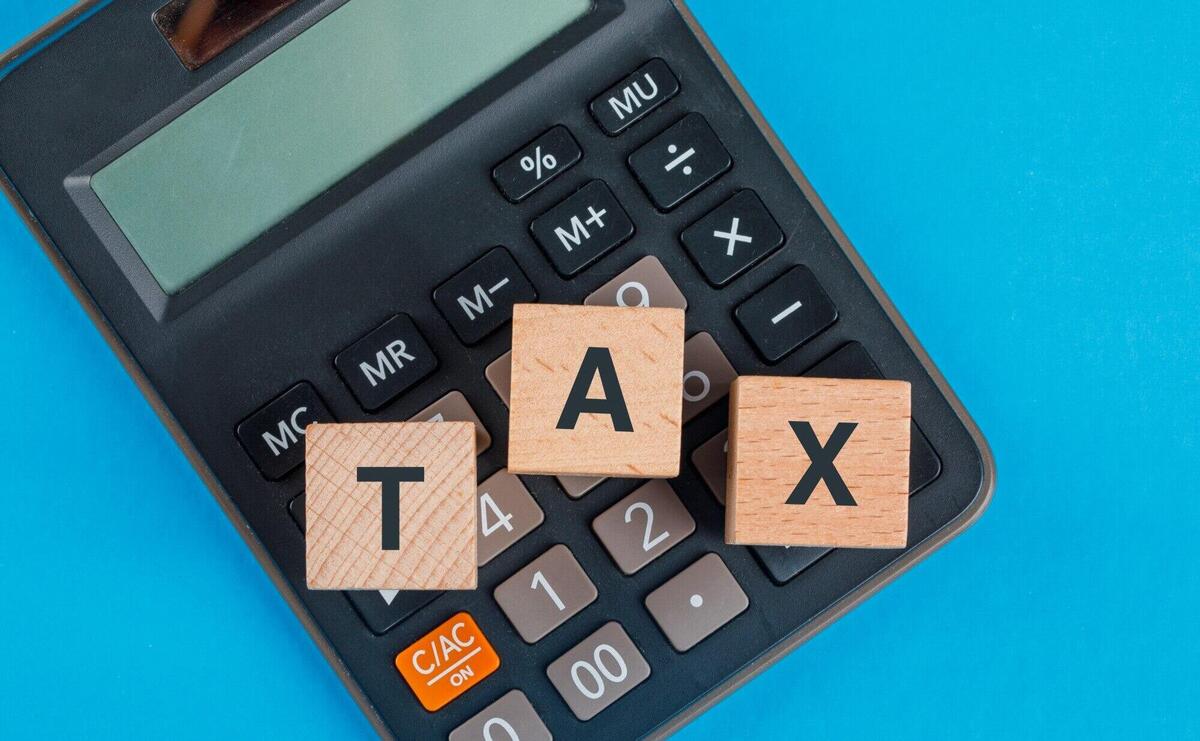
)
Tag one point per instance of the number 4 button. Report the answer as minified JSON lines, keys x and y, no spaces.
{"x":507,"y":513}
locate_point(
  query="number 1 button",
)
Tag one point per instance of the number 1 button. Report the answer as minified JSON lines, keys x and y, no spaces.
{"x":545,"y":594}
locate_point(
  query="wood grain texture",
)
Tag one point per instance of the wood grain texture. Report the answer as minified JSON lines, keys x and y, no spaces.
{"x":767,"y":460}
{"x":437,"y":516}
{"x":549,"y":343}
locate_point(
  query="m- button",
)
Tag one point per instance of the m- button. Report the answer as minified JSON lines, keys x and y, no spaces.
{"x":274,"y":435}
{"x":388,"y":361}
{"x":478,"y":300}
{"x":581,"y":229}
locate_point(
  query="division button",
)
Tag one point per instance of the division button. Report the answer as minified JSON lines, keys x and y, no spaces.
{"x":788,"y":312}
{"x":478,"y":300}
{"x":581,"y":229}
{"x":680,"y":161}
{"x":511,"y":718}
{"x":732,"y":237}
{"x":628,"y":102}
{"x":536,"y":163}
{"x":598,"y":671}
{"x":392,"y":358}
{"x":696,"y":602}
{"x":274,"y":435}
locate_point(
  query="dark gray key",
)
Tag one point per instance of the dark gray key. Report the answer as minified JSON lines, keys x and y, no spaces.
{"x":507,"y":513}
{"x":789,"y":311}
{"x":598,"y":671}
{"x":583,"y":228}
{"x":706,"y":374}
{"x":711,"y":460}
{"x":511,"y":718}
{"x":680,"y":161}
{"x":696,"y":602}
{"x":274,"y":435}
{"x":732,"y":237}
{"x":627,"y":102}
{"x":536,"y":164}
{"x":643,"y":526}
{"x":385,"y":363}
{"x":545,"y":594}
{"x":479,"y":299}
{"x":645,"y":283}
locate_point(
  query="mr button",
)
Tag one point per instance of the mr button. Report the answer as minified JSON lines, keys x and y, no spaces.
{"x":818,"y":462}
{"x":596,"y":391}
{"x":390,"y":505}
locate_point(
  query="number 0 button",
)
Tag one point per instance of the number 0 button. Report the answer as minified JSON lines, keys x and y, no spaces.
{"x":510,"y":717}
{"x":643,"y":526}
{"x":598,"y":671}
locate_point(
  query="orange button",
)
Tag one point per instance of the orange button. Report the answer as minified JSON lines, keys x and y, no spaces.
{"x":447,"y":661}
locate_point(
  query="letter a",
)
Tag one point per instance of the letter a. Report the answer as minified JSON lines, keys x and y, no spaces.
{"x":596,"y":360}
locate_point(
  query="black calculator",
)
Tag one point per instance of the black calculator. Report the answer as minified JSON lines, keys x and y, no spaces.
{"x":281,"y":212}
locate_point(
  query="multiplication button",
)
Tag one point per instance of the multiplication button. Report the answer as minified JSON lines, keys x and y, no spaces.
{"x":536,"y":163}
{"x":732,"y":238}
{"x":680,"y":161}
{"x":581,"y":229}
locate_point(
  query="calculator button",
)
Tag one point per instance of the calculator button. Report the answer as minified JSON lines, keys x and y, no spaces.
{"x":581,"y":229}
{"x":545,"y":594}
{"x":384,"y":609}
{"x":478,"y":300}
{"x":536,"y":164}
{"x":447,"y":661}
{"x":710,"y":460}
{"x":507,"y":513}
{"x":643,"y":526}
{"x":388,"y":361}
{"x":499,"y":375}
{"x":645,"y":283}
{"x":706,"y":374}
{"x":274,"y":435}
{"x":577,"y":486}
{"x":598,"y":671}
{"x":454,"y":407}
{"x":732,"y":237}
{"x":790,"y":311}
{"x":296,"y":510}
{"x":853,"y":361}
{"x":786,"y":562}
{"x":696,"y":602}
{"x":511,"y":718}
{"x":628,"y":102}
{"x":680,"y":161}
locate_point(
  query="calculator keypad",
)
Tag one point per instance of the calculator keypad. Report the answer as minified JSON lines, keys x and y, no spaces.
{"x":584,"y":227}
{"x":507,"y":513}
{"x":545,"y":594}
{"x":732,"y":237}
{"x":479,"y":299}
{"x":391,"y":359}
{"x":598,"y":671}
{"x":631,"y":99}
{"x":696,"y":602}
{"x":680,"y":161}
{"x":512,"y":717}
{"x":790,"y":311}
{"x":643,"y":526}
{"x":274,"y":435}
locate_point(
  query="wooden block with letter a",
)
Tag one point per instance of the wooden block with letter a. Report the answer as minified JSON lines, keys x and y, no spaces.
{"x":818,"y":462}
{"x":596,"y":391}
{"x":390,"y":505}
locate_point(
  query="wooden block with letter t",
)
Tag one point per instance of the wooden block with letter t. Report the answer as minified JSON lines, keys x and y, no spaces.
{"x":390,"y":505}
{"x":596,"y":391}
{"x":818,"y":462}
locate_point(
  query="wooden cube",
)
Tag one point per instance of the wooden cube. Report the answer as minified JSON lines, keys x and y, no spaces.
{"x":390,"y":505}
{"x":818,"y":462}
{"x":596,"y":391}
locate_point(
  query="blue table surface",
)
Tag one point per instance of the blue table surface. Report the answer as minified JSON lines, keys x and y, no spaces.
{"x":1024,"y":179}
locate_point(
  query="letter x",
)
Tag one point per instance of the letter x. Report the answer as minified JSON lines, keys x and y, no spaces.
{"x":821,"y":465}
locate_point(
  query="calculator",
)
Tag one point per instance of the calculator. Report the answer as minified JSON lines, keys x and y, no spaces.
{"x":281,"y":212}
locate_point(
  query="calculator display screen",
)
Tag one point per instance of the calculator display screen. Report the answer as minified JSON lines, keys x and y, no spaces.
{"x":307,"y":115}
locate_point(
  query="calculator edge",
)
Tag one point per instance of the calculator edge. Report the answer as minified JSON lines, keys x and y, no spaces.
{"x":961,"y":522}
{"x":9,"y":60}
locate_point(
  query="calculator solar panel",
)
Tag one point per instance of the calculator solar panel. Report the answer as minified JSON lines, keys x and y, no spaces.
{"x":615,"y":162}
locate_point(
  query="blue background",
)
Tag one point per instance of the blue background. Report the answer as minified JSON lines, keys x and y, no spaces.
{"x":1024,"y":179}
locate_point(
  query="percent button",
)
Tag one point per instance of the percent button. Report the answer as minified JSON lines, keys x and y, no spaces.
{"x":536,"y":163}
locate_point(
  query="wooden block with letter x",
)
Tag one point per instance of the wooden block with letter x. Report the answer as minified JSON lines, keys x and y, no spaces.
{"x":390,"y":505}
{"x":818,"y":462}
{"x":596,"y":391}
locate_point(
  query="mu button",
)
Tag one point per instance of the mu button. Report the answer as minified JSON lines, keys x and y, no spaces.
{"x":447,"y":661}
{"x":818,"y":462}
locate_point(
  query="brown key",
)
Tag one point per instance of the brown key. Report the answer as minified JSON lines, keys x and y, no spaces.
{"x":454,"y":407}
{"x":706,"y":374}
{"x":643,"y":526}
{"x":710,"y":460}
{"x":507,"y":513}
{"x":545,"y":594}
{"x":598,"y":671}
{"x":696,"y":602}
{"x":645,"y":283}
{"x":510,"y":717}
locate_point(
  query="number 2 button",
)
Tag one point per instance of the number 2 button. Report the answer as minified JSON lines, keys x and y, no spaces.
{"x":643,"y":526}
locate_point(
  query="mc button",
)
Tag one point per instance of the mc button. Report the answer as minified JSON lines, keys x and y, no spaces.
{"x":447,"y":661}
{"x":274,"y":435}
{"x":388,"y":361}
